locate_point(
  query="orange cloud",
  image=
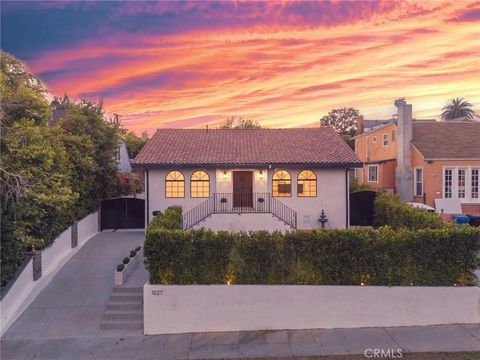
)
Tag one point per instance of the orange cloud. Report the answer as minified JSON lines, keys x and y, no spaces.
{"x":283,"y":73}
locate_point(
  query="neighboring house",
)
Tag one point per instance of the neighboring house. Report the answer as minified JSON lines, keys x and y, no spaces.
{"x":123,"y":160}
{"x":249,"y":179}
{"x":423,"y":160}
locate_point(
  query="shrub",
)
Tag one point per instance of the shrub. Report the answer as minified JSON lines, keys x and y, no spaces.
{"x":170,"y":219}
{"x":126,"y":260}
{"x":187,"y":257}
{"x":357,"y":186}
{"x":132,"y":253}
{"x":120,"y":267}
{"x":138,"y":248}
{"x":392,"y":211}
{"x":383,"y":256}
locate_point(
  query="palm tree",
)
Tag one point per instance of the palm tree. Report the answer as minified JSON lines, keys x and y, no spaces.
{"x":457,"y":108}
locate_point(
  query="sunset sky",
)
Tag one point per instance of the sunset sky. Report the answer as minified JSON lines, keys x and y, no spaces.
{"x":283,"y":64}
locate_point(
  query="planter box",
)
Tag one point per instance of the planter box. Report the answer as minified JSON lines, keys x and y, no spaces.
{"x":120,"y":277}
{"x":170,"y":309}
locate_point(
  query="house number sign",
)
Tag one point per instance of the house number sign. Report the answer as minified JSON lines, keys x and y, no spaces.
{"x":157,"y":292}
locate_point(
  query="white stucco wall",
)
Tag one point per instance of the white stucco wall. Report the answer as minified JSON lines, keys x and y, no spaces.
{"x":24,"y":289}
{"x":331,"y":193}
{"x":204,"y":308}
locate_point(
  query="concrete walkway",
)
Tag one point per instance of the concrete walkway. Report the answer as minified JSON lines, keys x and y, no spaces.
{"x":261,"y":344}
{"x":74,"y":301}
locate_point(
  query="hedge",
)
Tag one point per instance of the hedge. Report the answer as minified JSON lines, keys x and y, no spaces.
{"x":392,"y":211}
{"x":170,"y":219}
{"x":383,"y":256}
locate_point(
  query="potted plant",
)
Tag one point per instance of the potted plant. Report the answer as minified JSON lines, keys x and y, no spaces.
{"x":128,"y":265}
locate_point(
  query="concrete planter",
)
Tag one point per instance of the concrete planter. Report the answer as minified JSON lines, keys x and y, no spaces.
{"x":120,"y":277}
{"x":170,"y":309}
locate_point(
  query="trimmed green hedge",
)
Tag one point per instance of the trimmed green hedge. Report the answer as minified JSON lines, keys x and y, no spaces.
{"x":392,"y":211}
{"x":383,"y":256}
{"x":170,"y":219}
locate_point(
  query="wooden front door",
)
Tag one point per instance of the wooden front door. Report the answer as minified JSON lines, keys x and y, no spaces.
{"x":242,"y":189}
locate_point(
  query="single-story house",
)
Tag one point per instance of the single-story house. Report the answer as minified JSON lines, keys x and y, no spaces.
{"x":249,"y":179}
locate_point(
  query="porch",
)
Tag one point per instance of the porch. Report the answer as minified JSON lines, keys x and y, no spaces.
{"x":240,"y":203}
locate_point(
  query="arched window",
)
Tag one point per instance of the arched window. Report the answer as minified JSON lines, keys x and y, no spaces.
{"x":174,"y":185}
{"x":200,"y":185}
{"x":281,"y":183}
{"x":307,"y":184}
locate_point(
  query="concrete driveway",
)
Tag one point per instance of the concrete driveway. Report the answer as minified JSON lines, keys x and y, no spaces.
{"x":74,"y":301}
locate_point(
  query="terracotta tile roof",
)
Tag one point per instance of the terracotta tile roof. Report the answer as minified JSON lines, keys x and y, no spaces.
{"x":445,"y":140}
{"x":319,"y":146}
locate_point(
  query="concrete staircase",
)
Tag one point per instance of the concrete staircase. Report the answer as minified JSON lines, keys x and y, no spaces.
{"x":124,"y":310}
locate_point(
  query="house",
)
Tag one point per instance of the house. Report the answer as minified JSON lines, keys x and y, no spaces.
{"x":424,"y":161}
{"x":249,"y":179}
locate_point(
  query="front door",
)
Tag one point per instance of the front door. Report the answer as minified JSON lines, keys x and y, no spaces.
{"x":242,"y":189}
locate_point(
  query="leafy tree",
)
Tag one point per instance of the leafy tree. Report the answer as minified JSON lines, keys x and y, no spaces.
{"x":34,"y":174}
{"x":131,"y":183}
{"x":23,"y":94}
{"x":92,"y":144}
{"x":134,"y":143}
{"x":239,"y":123}
{"x":343,"y":120}
{"x":457,"y":108}
{"x":49,"y":174}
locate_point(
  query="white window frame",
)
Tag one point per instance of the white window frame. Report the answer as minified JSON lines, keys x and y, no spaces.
{"x":394,"y":134}
{"x":415,"y":181}
{"x":468,"y":183}
{"x":385,"y":138}
{"x":368,"y":173}
{"x":374,"y":139}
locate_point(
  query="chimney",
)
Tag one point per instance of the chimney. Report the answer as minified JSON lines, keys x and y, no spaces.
{"x":404,"y":172}
{"x":360,"y":125}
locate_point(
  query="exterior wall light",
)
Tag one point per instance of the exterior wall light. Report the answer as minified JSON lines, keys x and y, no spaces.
{"x":224,"y":175}
{"x":260,"y":175}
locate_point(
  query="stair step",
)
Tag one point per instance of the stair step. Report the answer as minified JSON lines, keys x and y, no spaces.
{"x":123,"y":315}
{"x":126,"y":298}
{"x":124,"y":306}
{"x":138,"y":290}
{"x":121,"y":325}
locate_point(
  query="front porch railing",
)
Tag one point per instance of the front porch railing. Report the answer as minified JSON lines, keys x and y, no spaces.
{"x":239,"y":203}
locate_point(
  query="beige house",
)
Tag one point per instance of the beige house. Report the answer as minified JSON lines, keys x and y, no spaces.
{"x":249,"y":179}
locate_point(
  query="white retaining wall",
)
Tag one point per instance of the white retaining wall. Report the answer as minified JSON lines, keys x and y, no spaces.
{"x":24,"y":290}
{"x":170,"y":309}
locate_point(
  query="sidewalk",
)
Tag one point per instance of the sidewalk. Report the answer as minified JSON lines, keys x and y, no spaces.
{"x":259,"y":344}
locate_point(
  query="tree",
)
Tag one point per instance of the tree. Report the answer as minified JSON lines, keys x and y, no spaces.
{"x":134,"y":143}
{"x":457,"y":108}
{"x":35,"y":193}
{"x":92,"y":143}
{"x":343,"y":120}
{"x":49,"y":174}
{"x":239,"y":123}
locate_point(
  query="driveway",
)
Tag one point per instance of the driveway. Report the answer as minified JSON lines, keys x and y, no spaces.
{"x":74,"y":301}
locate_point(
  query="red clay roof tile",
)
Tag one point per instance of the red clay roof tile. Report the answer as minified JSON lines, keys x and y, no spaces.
{"x":317,"y":146}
